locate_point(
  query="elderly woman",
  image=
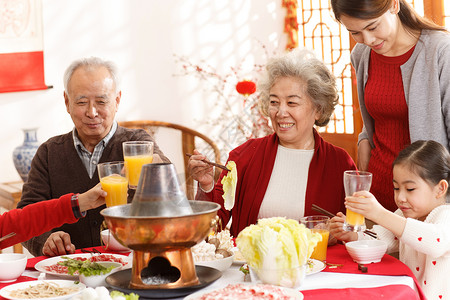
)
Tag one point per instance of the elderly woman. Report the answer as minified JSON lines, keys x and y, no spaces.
{"x":283,"y":174}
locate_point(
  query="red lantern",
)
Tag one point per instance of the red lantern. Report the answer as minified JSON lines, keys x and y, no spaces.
{"x":246,"y":87}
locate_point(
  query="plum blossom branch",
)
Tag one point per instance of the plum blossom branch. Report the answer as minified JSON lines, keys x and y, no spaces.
{"x":236,"y":116}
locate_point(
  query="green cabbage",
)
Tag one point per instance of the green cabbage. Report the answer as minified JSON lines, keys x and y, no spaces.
{"x":120,"y":295}
{"x":277,"y":244}
{"x":229,"y":183}
{"x":85,"y":267}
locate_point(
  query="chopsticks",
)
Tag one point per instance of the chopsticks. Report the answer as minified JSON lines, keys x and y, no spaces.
{"x":321,"y":210}
{"x":7,"y":236}
{"x":212,"y":163}
{"x":331,"y":215}
{"x":93,"y":251}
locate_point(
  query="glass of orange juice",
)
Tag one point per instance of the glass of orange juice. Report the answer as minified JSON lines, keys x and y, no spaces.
{"x":114,"y":182}
{"x":321,"y":225}
{"x":136,"y":154}
{"x":355,"y":181}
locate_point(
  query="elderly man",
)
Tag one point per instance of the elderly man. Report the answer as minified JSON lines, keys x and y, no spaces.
{"x":68,"y":163}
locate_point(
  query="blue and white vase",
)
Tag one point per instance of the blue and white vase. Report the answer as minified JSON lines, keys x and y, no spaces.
{"x":23,"y":154}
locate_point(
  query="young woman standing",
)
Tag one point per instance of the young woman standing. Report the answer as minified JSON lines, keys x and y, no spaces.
{"x":402,"y":64}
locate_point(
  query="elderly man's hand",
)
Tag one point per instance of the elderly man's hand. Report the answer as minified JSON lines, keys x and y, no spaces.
{"x":58,"y":243}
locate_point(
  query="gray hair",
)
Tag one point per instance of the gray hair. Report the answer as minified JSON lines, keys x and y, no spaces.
{"x":89,"y":63}
{"x":301,"y":63}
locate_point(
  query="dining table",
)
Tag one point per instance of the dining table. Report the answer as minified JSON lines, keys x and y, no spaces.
{"x":342,"y":278}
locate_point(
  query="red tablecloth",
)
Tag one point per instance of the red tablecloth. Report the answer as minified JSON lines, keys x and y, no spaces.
{"x":389,"y":265}
{"x":336,"y":255}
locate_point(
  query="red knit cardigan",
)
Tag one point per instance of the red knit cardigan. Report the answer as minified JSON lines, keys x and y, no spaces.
{"x":35,"y":219}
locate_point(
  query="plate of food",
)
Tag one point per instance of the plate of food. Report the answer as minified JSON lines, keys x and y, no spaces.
{"x":314,"y":266}
{"x":217,"y":252}
{"x":50,"y":265}
{"x":246,"y":291}
{"x":42,"y":289}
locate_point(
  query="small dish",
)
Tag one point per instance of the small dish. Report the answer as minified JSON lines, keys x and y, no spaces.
{"x":12,"y":266}
{"x":366,"y":251}
{"x":99,"y":280}
{"x":111,"y":243}
{"x":314,"y":266}
{"x":220,"y":264}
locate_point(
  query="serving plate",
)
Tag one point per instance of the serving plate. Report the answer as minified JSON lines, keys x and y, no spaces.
{"x":41,"y":266}
{"x":7,"y":290}
{"x":314,"y":266}
{"x":292,"y":293}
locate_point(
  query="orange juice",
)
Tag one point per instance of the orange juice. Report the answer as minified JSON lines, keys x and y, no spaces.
{"x":320,"y":252}
{"x":117,"y":188}
{"x":353,"y":218}
{"x":133,"y":166}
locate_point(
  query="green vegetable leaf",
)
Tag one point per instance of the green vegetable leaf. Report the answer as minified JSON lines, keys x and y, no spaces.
{"x":85,"y":267}
{"x":116,"y":294}
{"x":244,"y":269}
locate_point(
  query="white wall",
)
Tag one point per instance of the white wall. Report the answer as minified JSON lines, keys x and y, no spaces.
{"x":141,"y":36}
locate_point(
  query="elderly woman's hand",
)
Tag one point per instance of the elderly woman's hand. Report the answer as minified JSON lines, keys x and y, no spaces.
{"x":337,"y":229}
{"x":201,"y":171}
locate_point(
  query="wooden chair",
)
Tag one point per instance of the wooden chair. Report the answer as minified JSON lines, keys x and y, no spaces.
{"x":189,"y":137}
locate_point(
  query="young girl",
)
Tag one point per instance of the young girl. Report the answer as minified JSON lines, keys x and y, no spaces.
{"x":419,"y":228}
{"x":401,"y":61}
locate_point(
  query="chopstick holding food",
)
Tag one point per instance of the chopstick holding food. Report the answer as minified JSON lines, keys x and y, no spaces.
{"x":201,"y":171}
{"x":211,"y":163}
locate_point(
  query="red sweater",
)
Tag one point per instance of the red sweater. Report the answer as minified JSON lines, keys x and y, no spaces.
{"x":386,"y":104}
{"x":255,"y":160}
{"x":35,"y":219}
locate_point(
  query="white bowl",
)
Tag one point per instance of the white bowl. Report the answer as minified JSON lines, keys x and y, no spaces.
{"x":99,"y":280}
{"x":366,"y":251}
{"x":12,"y":266}
{"x":220,"y":264}
{"x":290,"y":278}
{"x":111,"y":243}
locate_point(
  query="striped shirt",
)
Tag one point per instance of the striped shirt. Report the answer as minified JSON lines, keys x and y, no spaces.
{"x":90,"y":160}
